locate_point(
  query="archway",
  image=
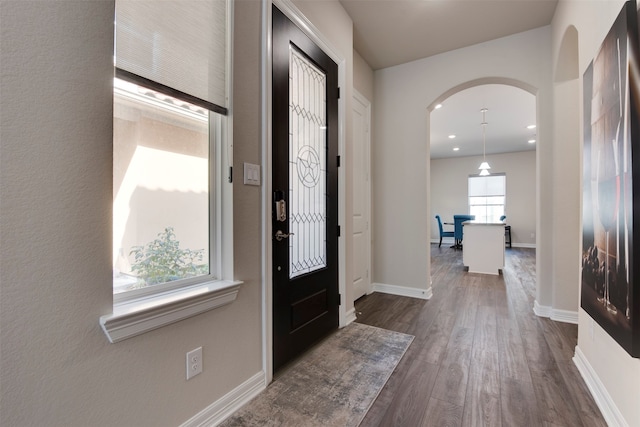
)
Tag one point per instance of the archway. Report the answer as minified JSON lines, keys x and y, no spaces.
{"x":528,"y":226}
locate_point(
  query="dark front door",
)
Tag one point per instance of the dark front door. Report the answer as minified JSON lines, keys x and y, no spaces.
{"x":305,"y":183}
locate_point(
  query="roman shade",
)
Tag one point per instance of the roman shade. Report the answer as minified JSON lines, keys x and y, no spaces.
{"x":179,"y":44}
{"x":487,"y":186}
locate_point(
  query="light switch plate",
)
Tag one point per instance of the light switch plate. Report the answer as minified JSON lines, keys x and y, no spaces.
{"x":251,"y":174}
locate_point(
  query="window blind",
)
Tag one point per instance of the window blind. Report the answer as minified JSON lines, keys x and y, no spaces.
{"x":179,"y":44}
{"x":492,"y":185}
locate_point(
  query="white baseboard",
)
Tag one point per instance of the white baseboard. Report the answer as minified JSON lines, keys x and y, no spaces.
{"x":541,"y":310}
{"x":523,"y":245}
{"x":558,"y":315}
{"x":607,"y":406}
{"x":449,"y":241}
{"x":403,"y":291}
{"x":219,"y":410}
{"x":565,"y":316}
{"x":350,"y":316}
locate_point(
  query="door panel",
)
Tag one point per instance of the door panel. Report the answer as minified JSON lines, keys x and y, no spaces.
{"x":305,"y":183}
{"x":361,"y":189}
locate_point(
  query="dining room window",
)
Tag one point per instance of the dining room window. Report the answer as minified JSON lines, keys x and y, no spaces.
{"x":487,"y":196}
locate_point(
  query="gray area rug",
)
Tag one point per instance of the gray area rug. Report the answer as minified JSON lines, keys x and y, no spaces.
{"x":333,"y":384}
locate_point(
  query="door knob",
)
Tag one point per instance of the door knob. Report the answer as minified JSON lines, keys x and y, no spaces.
{"x":280,"y":235}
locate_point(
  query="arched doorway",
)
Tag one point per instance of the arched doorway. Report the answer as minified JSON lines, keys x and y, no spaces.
{"x":454,"y":122}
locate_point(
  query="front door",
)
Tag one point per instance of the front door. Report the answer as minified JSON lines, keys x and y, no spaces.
{"x":305,"y":196}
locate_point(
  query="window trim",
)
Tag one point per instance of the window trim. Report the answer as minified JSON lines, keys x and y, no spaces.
{"x":135,"y":317}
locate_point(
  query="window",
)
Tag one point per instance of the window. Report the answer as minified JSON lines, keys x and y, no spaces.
{"x":487,"y":196}
{"x":162,"y":164}
{"x":170,"y":155}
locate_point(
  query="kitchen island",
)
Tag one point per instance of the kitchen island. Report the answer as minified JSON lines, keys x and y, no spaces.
{"x":483,"y":249}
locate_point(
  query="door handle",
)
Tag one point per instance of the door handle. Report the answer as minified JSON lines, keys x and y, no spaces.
{"x":280,"y":235}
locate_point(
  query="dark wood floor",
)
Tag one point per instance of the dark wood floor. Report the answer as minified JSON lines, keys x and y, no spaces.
{"x":480,"y":357}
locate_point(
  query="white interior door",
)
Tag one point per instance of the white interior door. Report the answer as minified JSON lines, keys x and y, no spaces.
{"x":361,"y":196}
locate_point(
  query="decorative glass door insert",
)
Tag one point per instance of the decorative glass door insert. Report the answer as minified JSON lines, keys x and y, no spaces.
{"x":307,"y":165}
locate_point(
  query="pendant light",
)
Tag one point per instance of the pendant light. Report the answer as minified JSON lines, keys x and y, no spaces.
{"x":484,"y":166}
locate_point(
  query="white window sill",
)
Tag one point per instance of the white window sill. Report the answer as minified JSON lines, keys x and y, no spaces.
{"x":136,"y":317}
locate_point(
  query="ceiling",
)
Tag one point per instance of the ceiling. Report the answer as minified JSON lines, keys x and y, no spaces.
{"x":392,"y":32}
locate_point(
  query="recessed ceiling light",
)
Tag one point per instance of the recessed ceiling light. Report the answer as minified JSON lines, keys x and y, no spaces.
{"x":437,"y":107}
{"x":531,"y":141}
{"x":456,"y":148}
{"x":531,"y":127}
{"x":451,"y":136}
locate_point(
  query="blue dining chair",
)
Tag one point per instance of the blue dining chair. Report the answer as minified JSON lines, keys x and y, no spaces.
{"x":442,"y":232}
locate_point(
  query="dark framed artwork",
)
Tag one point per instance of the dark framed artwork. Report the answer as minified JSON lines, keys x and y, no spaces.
{"x":611,"y":183}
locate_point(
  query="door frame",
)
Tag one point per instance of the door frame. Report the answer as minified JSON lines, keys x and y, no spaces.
{"x":289,"y":9}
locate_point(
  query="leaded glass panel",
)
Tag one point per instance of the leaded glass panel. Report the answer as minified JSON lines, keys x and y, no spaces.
{"x":307,"y":165}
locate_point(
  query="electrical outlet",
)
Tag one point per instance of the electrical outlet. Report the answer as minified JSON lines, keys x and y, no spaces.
{"x":194,"y":362}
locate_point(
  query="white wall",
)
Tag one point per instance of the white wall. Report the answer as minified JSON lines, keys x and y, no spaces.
{"x":401,"y":153}
{"x":618,"y":373}
{"x":449,"y":185}
{"x":57,"y":367}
